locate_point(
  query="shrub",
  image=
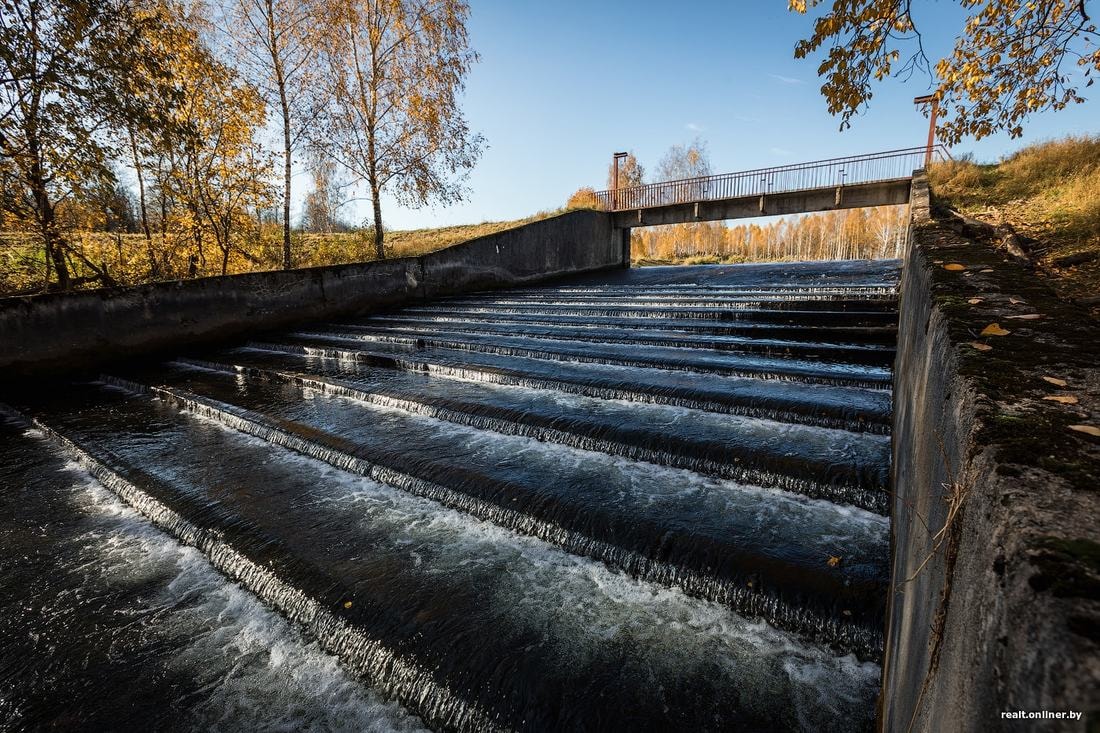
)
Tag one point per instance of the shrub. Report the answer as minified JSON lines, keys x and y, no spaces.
{"x":584,"y":198}
{"x":958,"y":181}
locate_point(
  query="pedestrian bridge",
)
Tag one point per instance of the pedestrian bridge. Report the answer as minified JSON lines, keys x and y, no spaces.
{"x":875,"y":179}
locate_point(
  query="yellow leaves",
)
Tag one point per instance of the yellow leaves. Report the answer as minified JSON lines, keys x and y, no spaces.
{"x":584,"y":198}
{"x":347,"y":604}
{"x":1086,"y":429}
{"x":1061,"y":399}
{"x":979,"y":346}
{"x":833,"y":561}
{"x":994,"y":329}
{"x":954,"y":267}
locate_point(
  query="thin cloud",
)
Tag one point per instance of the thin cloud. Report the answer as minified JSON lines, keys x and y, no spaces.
{"x":785,"y":79}
{"x":693,"y":127}
{"x":781,"y":152}
{"x":746,"y":118}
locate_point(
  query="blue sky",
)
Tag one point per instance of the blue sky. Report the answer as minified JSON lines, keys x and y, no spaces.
{"x":562,"y":85}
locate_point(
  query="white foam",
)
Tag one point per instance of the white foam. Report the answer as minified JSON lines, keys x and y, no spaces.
{"x":260,"y":672}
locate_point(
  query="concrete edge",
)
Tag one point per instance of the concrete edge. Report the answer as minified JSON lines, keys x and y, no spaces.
{"x":57,"y":333}
{"x":995,"y":541}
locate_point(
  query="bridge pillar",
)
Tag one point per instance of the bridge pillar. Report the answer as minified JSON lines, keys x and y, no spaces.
{"x":621,"y":236}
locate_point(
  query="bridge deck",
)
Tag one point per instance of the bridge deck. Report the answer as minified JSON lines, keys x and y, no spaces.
{"x":877,"y":179}
{"x":879,"y":193}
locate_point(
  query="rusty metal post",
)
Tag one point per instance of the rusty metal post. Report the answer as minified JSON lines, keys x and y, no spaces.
{"x":930,"y":99}
{"x":615,"y":158}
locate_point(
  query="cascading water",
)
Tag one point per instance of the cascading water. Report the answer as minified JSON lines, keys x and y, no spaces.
{"x":651,"y":500}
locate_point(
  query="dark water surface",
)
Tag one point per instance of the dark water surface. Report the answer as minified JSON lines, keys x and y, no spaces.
{"x":645,"y":500}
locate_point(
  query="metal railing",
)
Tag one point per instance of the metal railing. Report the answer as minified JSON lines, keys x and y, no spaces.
{"x":870,"y":168}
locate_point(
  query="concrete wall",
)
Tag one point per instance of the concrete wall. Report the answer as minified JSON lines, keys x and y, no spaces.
{"x":59,"y":332}
{"x":996,"y":538}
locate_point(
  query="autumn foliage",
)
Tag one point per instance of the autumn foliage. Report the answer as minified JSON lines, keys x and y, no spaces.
{"x":1011,"y":58}
{"x":584,"y":198}
{"x":136,"y":135}
{"x":836,"y":235}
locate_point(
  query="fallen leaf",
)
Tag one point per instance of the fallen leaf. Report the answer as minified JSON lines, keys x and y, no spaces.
{"x":1056,"y":381}
{"x":954,"y":267}
{"x":988,"y":269}
{"x":994,"y":329}
{"x":846,"y":612}
{"x":347,"y":604}
{"x":1027,"y":317}
{"x":974,"y":301}
{"x":980,"y":346}
{"x":937,"y":262}
{"x":1087,"y":430}
{"x":1065,"y":399}
{"x":1015,"y":301}
{"x":834,"y":561}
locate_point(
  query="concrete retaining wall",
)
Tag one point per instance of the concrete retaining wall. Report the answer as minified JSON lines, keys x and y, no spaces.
{"x":59,"y":332}
{"x":996,"y":516}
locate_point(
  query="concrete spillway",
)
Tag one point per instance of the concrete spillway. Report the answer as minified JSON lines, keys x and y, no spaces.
{"x":652,"y":499}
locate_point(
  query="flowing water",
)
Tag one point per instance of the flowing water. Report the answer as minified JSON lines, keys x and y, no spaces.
{"x":646,"y":500}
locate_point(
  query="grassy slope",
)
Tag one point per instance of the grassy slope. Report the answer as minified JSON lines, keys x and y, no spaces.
{"x":343,"y":247}
{"x":1050,"y":192}
{"x":413,"y":242}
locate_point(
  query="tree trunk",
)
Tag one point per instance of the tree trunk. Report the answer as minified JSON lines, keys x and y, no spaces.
{"x":54,"y":248}
{"x":50,"y":236}
{"x":154,"y":269}
{"x":287,"y":264}
{"x":280,"y":83}
{"x":379,"y":232}
{"x":44,"y":211}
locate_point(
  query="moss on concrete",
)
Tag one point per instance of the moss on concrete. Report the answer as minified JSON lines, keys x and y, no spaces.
{"x":1014,"y":420}
{"x":1067,"y":568}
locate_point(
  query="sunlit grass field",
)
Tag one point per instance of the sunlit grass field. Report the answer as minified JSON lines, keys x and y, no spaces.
{"x":1049,"y":191}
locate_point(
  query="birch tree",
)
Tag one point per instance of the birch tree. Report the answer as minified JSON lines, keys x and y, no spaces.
{"x":395,"y":72}
{"x":274,"y":40}
{"x":682,"y":162}
{"x":321,"y":209}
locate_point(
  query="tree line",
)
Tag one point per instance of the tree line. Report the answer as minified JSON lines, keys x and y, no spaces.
{"x":851,"y":234}
{"x":171,"y":120}
{"x":872,"y":233}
